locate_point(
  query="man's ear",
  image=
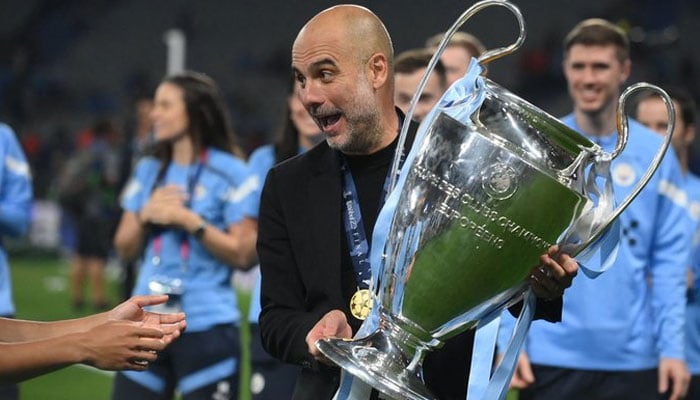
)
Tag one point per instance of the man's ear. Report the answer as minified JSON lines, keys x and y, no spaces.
{"x":626,"y":70}
{"x":689,"y":135}
{"x":378,"y":70}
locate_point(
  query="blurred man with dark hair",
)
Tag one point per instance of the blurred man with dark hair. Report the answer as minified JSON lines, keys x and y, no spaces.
{"x":409,"y":68}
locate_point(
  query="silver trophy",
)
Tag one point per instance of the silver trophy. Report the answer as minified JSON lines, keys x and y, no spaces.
{"x":479,"y":200}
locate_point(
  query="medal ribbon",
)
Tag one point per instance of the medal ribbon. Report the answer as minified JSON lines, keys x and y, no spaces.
{"x":352,"y":219}
{"x":184,"y":242}
{"x":354,"y":229}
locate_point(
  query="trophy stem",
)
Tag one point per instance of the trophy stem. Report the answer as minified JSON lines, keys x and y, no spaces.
{"x":390,"y":360}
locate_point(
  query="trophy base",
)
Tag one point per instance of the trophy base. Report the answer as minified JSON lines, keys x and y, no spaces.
{"x":379,"y":363}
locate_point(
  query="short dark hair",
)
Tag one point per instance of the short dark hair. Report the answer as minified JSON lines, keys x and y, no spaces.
{"x":599,"y":32}
{"x":413,"y":60}
{"x":680,"y":96}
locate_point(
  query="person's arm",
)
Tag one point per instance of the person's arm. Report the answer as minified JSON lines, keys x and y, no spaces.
{"x":130,"y":236}
{"x":16,"y":191}
{"x":127,"y":337}
{"x":235,"y":246}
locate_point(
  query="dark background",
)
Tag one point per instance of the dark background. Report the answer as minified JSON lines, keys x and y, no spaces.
{"x":65,"y":63}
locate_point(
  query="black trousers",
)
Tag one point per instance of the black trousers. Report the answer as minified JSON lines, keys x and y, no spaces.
{"x":552,"y":383}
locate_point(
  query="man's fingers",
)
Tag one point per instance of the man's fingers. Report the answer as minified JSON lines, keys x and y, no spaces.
{"x":150,"y":300}
{"x":175,"y":318}
{"x":151,"y":346}
{"x":148,"y":332}
{"x":663,"y":380}
{"x":335,"y":325}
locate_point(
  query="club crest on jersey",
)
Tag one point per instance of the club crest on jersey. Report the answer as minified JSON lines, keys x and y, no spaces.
{"x":624,"y":174}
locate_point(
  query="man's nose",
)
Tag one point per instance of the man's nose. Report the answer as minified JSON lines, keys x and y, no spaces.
{"x":310,"y":95}
{"x":587,"y":75}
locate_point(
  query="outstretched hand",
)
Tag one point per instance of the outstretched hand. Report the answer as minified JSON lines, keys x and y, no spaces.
{"x":119,"y":345}
{"x":171,"y":325}
{"x":551,"y":277}
{"x":332,"y":325}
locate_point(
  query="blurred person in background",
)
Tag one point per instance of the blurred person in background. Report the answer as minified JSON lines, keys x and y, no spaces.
{"x":458,"y":53}
{"x":651,"y":111}
{"x":272,"y":379}
{"x":15,"y":213}
{"x":621,"y":334}
{"x":409,"y":68}
{"x":187,"y":215}
{"x":88,"y":189}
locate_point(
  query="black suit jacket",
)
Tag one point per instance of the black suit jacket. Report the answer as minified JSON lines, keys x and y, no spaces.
{"x":299,"y":246}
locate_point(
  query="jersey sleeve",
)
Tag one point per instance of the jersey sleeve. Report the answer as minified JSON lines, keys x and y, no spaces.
{"x":138,"y":188}
{"x":15,"y":186}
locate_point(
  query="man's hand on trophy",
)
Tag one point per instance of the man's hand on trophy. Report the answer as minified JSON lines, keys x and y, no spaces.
{"x":332,"y":325}
{"x":554,"y":274}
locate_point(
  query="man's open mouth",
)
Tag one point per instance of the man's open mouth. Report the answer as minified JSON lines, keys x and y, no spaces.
{"x":327,"y":121}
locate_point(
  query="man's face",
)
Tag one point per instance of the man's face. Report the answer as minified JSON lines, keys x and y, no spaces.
{"x":652,"y":112}
{"x":594,"y":75}
{"x":333,"y":86}
{"x":456,"y":61}
{"x":405,"y":86}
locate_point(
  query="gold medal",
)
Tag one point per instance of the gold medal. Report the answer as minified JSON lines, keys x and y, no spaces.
{"x":361,"y":304}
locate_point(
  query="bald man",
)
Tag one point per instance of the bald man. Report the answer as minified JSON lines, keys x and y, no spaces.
{"x":317,"y":206}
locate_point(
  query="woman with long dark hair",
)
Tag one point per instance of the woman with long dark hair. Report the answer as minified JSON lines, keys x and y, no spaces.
{"x":186,"y":211}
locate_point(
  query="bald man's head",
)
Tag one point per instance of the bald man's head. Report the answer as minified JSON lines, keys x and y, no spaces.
{"x":358,"y":28}
{"x":342,"y":60}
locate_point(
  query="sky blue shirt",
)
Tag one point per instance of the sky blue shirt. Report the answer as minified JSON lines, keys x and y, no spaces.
{"x":692,"y":322}
{"x":223,"y":195}
{"x":15,"y":205}
{"x":618,"y":322}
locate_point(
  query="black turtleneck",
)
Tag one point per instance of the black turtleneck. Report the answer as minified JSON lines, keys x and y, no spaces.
{"x":369,"y":174}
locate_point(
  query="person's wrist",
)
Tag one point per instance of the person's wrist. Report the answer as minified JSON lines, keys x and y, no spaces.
{"x":198,"y":231}
{"x":141,"y":219}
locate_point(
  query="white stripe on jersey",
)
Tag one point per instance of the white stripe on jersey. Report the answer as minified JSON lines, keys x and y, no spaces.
{"x":673,"y":193}
{"x":235,"y":195}
{"x":18,"y":167}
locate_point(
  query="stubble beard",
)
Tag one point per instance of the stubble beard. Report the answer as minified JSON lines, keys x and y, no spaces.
{"x":363,"y":123}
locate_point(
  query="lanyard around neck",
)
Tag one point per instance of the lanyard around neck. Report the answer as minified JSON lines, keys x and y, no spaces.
{"x":352,"y":220}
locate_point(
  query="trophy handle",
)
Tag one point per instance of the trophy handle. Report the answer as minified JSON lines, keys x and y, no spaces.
{"x":623,"y":135}
{"x":601,"y":222}
{"x":485,"y":58}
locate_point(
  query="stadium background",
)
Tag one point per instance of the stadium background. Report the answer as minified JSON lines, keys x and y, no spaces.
{"x":65,"y":63}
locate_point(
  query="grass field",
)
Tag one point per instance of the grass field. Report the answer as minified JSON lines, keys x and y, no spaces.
{"x":40,"y":287}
